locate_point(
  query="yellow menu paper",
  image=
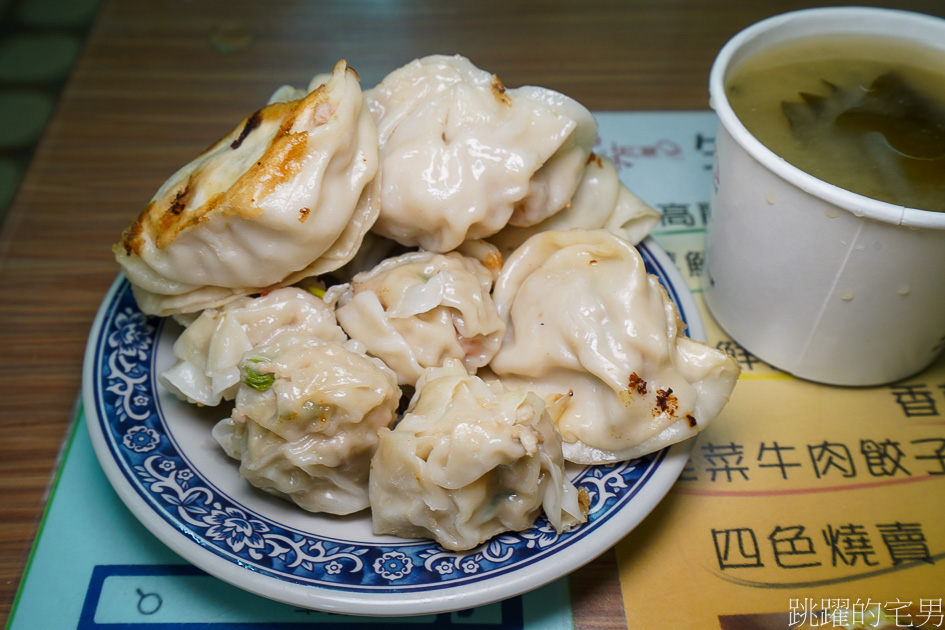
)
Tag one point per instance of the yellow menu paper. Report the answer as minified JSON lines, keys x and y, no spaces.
{"x":802,"y":506}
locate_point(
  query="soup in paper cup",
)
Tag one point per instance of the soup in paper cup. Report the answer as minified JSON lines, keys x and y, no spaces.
{"x":831,"y":285}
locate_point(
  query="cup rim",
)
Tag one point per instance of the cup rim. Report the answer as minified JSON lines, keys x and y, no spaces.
{"x":823,"y":20}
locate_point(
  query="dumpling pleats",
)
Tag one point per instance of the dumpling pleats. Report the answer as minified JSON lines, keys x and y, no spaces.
{"x":461,"y":155}
{"x":210,"y":349}
{"x":585,"y":321}
{"x":306,"y":418}
{"x":416,"y":310}
{"x":276,"y":200}
{"x":470,"y":459}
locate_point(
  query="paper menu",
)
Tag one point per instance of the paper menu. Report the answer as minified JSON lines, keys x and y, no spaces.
{"x":803,"y":505}
{"x":812,"y":501}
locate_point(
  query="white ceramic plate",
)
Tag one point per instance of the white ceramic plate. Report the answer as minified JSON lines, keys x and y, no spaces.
{"x":161,"y":459}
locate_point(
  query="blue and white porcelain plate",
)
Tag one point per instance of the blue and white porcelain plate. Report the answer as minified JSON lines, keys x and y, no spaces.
{"x":161,"y":459}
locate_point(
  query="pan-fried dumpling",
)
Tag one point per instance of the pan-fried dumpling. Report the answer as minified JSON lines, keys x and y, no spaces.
{"x":276,"y":200}
{"x":470,"y":460}
{"x":305,"y":422}
{"x":461,"y":155}
{"x":416,"y":310}
{"x":601,"y":201}
{"x":209,"y":350}
{"x":586,"y":321}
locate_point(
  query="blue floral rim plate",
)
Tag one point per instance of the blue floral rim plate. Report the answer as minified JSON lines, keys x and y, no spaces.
{"x":159,"y":456}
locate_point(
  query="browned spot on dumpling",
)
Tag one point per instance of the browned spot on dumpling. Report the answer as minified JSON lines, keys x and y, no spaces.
{"x":584,"y":500}
{"x":593,"y":158}
{"x":129,"y":238}
{"x":251,"y":123}
{"x":303,"y":214}
{"x":666,"y":402}
{"x":278,"y":132}
{"x":180,"y":200}
{"x":691,"y":420}
{"x":498,"y":91}
{"x":492,"y":261}
{"x":636,"y":383}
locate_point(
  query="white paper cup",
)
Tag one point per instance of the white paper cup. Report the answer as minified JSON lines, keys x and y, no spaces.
{"x":820,"y":282}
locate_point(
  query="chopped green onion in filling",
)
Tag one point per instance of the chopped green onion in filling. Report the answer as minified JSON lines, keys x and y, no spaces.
{"x":257,"y":380}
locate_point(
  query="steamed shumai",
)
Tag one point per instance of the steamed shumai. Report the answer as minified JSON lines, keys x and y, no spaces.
{"x":306,"y":419}
{"x":278,"y":199}
{"x":470,"y":459}
{"x":209,"y":350}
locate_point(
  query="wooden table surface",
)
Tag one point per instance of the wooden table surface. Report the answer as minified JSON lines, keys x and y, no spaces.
{"x":160,"y":80}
